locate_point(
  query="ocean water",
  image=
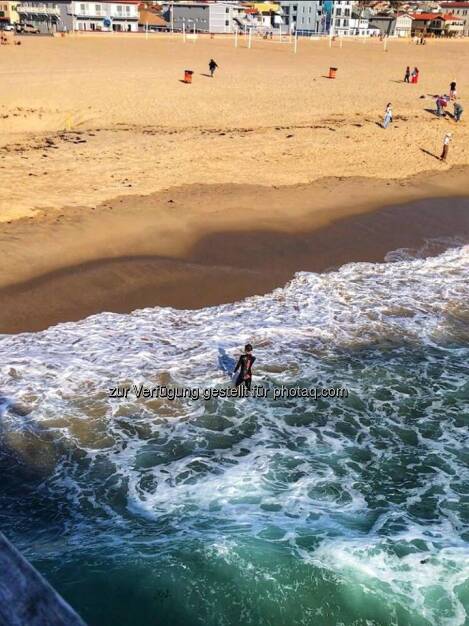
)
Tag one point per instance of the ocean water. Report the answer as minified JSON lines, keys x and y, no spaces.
{"x":252,"y":511}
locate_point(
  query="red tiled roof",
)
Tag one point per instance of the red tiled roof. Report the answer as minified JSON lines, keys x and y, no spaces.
{"x":431,"y":16}
{"x":455,"y":5}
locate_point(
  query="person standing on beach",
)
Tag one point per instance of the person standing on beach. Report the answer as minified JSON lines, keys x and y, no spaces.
{"x":446,"y":142}
{"x":387,"y":115}
{"x":244,"y":365}
{"x":212,"y":66}
{"x":440,"y":106}
{"x":407,"y":75}
{"x":452,"y":91}
{"x":415,"y":75}
{"x":458,"y":111}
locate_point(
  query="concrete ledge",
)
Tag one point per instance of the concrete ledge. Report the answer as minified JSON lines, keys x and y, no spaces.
{"x":26,"y":599}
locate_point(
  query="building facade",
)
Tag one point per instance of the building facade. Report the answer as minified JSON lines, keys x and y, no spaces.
{"x":8,"y":13}
{"x":437,"y":24}
{"x":100,"y":16}
{"x":341,"y":16}
{"x":209,"y":17}
{"x":386,"y":24}
{"x":302,"y":16}
{"x":45,"y":16}
{"x":403,"y":26}
{"x":459,"y":10}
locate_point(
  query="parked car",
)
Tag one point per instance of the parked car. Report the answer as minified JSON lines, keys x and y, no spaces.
{"x":27,"y":29}
{"x":7,"y":27}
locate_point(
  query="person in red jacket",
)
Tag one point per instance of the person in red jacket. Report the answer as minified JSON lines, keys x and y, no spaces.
{"x":244,"y":365}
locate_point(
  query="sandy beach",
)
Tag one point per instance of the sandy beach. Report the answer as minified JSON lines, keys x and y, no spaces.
{"x":119,"y":177}
{"x":158,"y":234}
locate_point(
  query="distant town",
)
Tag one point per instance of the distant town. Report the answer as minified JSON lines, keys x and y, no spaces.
{"x":306,"y":18}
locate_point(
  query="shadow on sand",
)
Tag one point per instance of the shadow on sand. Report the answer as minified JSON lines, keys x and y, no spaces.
{"x":435,"y":156}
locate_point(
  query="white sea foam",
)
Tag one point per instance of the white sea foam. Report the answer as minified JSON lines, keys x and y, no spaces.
{"x":384,"y":467}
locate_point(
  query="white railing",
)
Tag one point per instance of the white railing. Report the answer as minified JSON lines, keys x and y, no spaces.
{"x":38,"y":10}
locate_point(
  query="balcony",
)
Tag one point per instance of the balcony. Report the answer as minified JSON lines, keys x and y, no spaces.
{"x":38,"y":10}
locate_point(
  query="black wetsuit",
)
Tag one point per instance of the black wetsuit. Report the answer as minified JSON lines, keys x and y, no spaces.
{"x":244,"y":365}
{"x":212,"y":67}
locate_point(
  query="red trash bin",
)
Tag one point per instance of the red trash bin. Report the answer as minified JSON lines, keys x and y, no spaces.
{"x":188,"y":76}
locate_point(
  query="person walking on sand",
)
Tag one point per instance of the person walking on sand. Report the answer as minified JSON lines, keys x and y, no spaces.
{"x":446,"y":142}
{"x":441,"y":104}
{"x":244,"y":365}
{"x":407,"y":75}
{"x":387,"y":115}
{"x":452,"y":91}
{"x":212,"y":66}
{"x":458,"y":111}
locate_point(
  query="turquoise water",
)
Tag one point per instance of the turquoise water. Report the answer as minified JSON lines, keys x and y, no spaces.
{"x":253,"y":511}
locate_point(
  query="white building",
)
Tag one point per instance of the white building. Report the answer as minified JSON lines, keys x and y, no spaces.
{"x":403,"y":26}
{"x":211,"y":17}
{"x":460,"y":10}
{"x":100,"y":16}
{"x":341,"y":15}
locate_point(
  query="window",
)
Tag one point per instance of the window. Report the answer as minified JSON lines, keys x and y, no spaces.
{"x":227,"y":23}
{"x":98,"y":9}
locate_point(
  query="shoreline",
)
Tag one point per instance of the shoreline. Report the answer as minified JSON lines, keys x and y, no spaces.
{"x":202,"y":245}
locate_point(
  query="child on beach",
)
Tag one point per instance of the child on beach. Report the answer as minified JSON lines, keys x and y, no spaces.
{"x":212,"y":66}
{"x":415,"y":75}
{"x":446,"y":142}
{"x":387,"y":115}
{"x":452,"y":91}
{"x":244,"y":365}
{"x":407,"y":75}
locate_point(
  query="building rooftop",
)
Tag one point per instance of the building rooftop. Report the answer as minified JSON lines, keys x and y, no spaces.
{"x":455,"y":5}
{"x":433,"y":16}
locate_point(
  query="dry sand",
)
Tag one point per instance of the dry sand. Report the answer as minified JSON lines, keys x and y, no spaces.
{"x":269,"y":116}
{"x":275,"y":160}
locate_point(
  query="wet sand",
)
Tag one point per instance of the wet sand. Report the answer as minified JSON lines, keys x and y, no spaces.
{"x":199,"y":246}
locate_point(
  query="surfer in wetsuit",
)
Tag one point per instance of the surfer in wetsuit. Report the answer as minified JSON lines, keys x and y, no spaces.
{"x":212,"y":66}
{"x":244,"y":365}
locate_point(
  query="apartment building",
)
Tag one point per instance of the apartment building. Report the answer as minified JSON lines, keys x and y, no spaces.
{"x":45,"y":16}
{"x":212,"y":17}
{"x":100,"y":16}
{"x":341,"y":14}
{"x":302,"y":16}
{"x":459,"y":10}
